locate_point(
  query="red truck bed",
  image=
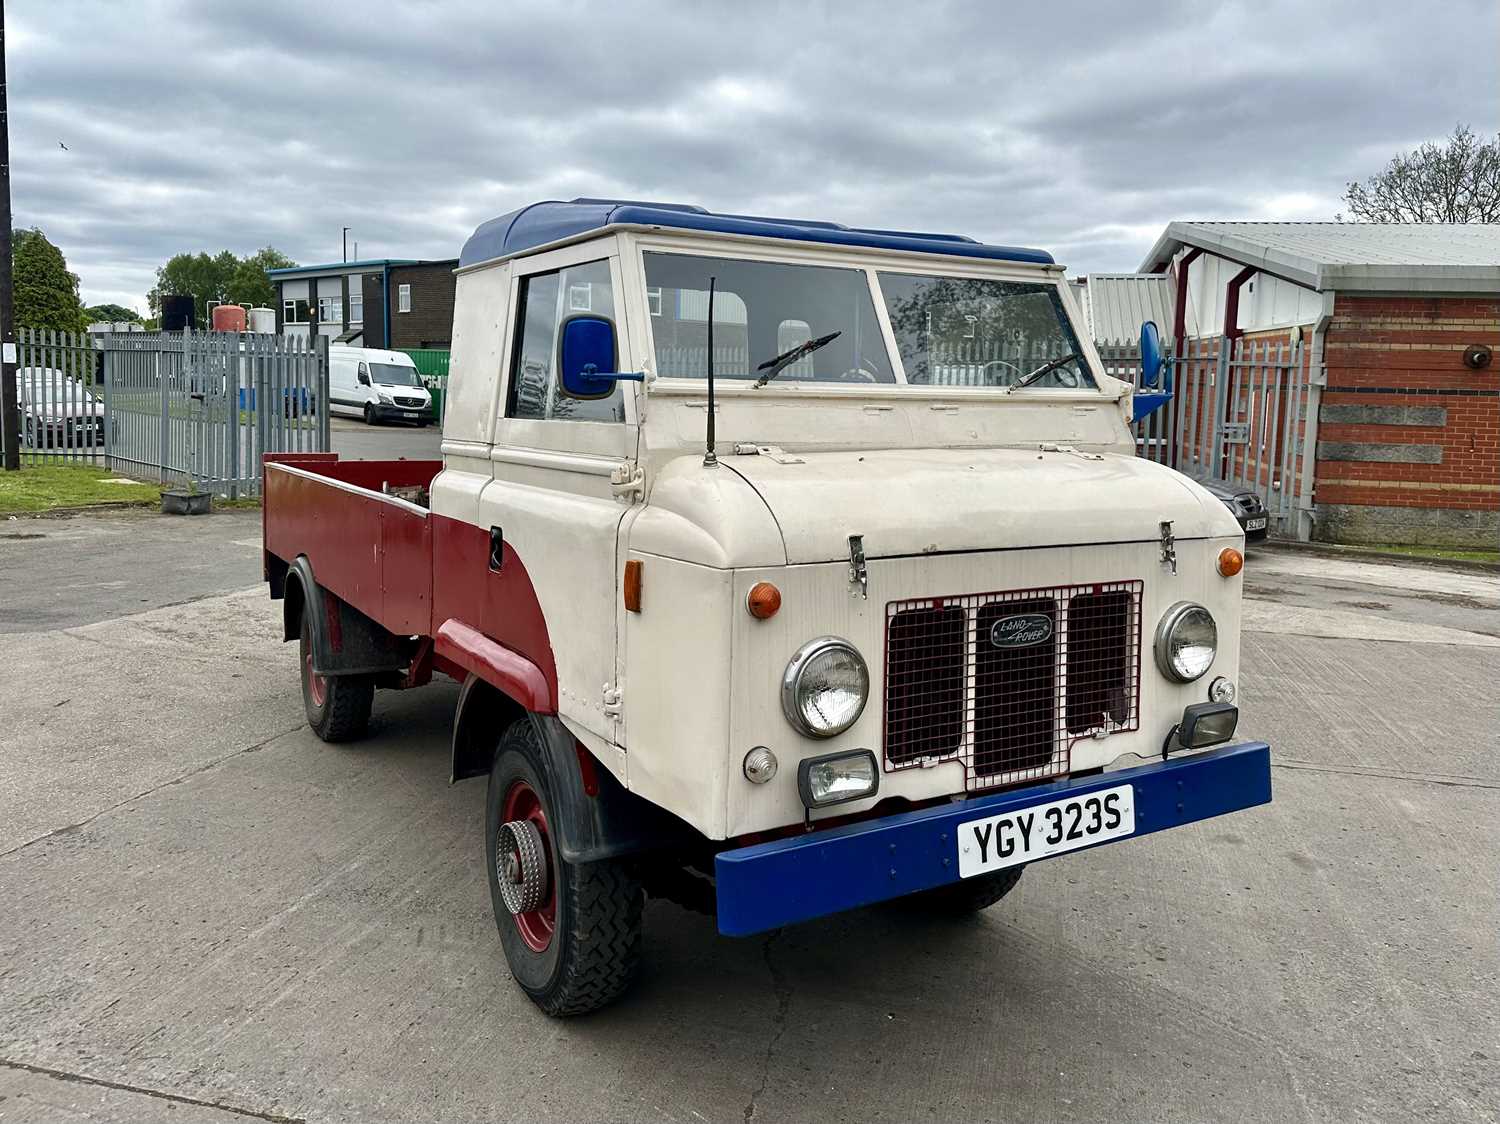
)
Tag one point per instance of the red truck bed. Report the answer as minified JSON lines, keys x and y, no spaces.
{"x":371,"y":549}
{"x":412,"y":572}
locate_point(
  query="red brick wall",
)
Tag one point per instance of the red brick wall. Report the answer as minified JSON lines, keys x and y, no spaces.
{"x":1409,"y":437}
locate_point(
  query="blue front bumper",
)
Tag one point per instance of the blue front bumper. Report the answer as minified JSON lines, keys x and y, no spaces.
{"x":807,"y":876}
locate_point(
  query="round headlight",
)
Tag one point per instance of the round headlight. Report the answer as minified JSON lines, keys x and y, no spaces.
{"x":1186,"y":641}
{"x":825,"y":686}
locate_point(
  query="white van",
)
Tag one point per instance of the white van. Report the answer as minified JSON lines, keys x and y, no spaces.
{"x":376,"y":385}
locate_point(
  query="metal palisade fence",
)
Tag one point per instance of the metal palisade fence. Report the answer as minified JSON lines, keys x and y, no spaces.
{"x":1237,"y":413}
{"x":190,"y":408}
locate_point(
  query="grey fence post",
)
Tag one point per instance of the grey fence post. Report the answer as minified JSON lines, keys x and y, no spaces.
{"x":320,"y":376}
{"x":234,"y":344}
{"x":109,"y":404}
{"x":165,"y":438}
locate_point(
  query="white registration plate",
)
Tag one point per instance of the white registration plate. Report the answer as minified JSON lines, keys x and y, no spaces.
{"x":1017,"y":837}
{"x":1257,"y":524}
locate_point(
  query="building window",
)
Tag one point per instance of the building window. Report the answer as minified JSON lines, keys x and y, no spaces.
{"x":653,"y":300}
{"x":330,"y":310}
{"x":356,"y":308}
{"x":403,"y":298}
{"x":580,"y":299}
{"x":294,"y":312}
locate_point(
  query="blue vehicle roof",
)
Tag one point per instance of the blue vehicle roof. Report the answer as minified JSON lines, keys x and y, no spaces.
{"x":542,"y":223}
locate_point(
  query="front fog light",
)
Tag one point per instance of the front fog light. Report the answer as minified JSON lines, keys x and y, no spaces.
{"x":837,"y":778}
{"x":1221,"y":690}
{"x":1186,"y":641}
{"x":1205,"y":724}
{"x":824,"y":688}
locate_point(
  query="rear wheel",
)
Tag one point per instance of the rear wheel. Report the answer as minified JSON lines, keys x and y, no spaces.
{"x":571,"y":931}
{"x":337,"y":706}
{"x":970,"y":895}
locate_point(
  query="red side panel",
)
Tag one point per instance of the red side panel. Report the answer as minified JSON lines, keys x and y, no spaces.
{"x":510,"y":671}
{"x":370,"y":550}
{"x":501,"y":605}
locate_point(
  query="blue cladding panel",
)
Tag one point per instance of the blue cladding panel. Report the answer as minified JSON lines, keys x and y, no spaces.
{"x":808,"y":876}
{"x":541,"y":223}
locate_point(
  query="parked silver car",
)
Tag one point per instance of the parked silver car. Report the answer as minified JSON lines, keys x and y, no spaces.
{"x":57,"y":410}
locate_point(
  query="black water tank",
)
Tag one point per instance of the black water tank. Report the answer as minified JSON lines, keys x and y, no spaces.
{"x":178,"y":313}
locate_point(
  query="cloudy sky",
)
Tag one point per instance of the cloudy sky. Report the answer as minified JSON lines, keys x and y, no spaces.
{"x":1079,"y":127}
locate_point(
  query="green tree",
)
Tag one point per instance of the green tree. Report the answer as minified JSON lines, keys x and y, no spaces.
{"x":110,"y":313}
{"x":46,"y":294}
{"x":219,"y":278}
{"x":250,"y":285}
{"x":204,"y":278}
{"x":1456,"y":181}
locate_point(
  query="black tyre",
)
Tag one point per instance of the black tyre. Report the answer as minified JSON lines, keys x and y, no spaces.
{"x":369,"y":414}
{"x":578,"y":949}
{"x":337,"y":706}
{"x":967,"y":896}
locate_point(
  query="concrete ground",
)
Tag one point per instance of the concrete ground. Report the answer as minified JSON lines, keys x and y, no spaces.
{"x":352,"y":439}
{"x":211,"y":916}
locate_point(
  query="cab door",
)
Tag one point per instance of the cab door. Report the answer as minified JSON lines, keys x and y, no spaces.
{"x":551,"y":501}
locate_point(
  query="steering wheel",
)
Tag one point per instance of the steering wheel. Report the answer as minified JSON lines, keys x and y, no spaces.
{"x":858,"y":374}
{"x":988,"y":381}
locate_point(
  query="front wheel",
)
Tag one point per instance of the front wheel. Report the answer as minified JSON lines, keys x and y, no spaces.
{"x":337,"y":706}
{"x":369,"y":414}
{"x":969,"y":895}
{"x":571,"y":931}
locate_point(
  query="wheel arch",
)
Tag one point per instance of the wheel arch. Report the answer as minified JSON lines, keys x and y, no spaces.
{"x":595,"y":816}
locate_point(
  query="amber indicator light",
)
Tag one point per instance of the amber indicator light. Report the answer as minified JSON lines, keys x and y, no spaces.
{"x":764,"y":600}
{"x":632,"y":586}
{"x":1231,"y":561}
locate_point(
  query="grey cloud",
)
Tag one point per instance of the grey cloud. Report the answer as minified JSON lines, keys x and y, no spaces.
{"x":1083,"y":128}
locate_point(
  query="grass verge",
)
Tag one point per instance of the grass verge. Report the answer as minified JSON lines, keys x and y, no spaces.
{"x":1439,"y":552}
{"x":47,"y":487}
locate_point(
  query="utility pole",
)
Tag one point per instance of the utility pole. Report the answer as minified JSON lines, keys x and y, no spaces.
{"x":346,"y":235}
{"x":10,"y":406}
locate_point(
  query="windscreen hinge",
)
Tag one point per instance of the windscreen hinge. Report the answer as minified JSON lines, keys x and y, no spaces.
{"x":770,"y":452}
{"x":857,"y":570}
{"x":627,"y":480}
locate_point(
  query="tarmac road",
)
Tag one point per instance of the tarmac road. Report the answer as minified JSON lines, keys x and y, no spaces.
{"x":211,"y":916}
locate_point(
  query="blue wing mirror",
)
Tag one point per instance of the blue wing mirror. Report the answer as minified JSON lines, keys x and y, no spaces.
{"x":587,"y":361}
{"x":1152,"y":361}
{"x":1156,"y":380}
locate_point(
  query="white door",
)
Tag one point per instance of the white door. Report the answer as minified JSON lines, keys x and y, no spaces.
{"x":553,"y":458}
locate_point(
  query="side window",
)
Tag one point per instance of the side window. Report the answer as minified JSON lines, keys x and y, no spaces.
{"x":546,"y":301}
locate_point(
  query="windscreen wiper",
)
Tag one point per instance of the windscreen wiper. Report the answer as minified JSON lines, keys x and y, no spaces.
{"x":1026,"y":380}
{"x":787,"y":358}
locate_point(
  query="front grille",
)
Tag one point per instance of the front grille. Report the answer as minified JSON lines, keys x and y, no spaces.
{"x":400,"y":401}
{"x":1007,"y":682}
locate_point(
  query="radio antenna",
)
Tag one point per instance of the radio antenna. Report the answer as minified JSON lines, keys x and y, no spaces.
{"x":710,"y":460}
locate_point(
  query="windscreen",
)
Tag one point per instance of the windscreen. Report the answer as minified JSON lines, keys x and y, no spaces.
{"x":964,"y":331}
{"x":762,"y":312}
{"x":392,"y":374}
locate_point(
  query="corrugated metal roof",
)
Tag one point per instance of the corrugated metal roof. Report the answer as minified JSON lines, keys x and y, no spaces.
{"x":1384,"y":257}
{"x":1115,"y":305}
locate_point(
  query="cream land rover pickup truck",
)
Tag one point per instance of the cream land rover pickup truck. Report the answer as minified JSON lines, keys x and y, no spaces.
{"x":786,"y":567}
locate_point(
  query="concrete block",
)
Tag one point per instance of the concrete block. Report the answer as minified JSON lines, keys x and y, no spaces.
{"x":1379,"y":451}
{"x":1367,"y":524}
{"x":1384,"y":415}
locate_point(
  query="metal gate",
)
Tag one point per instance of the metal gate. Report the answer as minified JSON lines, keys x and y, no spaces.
{"x":190,"y":408}
{"x":1237,"y":414}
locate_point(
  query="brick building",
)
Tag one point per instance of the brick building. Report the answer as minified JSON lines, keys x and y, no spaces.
{"x":410,"y":305}
{"x":1396,"y":325}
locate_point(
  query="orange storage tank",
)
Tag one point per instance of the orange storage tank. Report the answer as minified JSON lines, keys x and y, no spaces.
{"x":228,"y":318}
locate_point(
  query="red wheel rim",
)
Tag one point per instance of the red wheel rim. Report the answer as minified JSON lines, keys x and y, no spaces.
{"x":537,"y":925}
{"x":317,"y":686}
